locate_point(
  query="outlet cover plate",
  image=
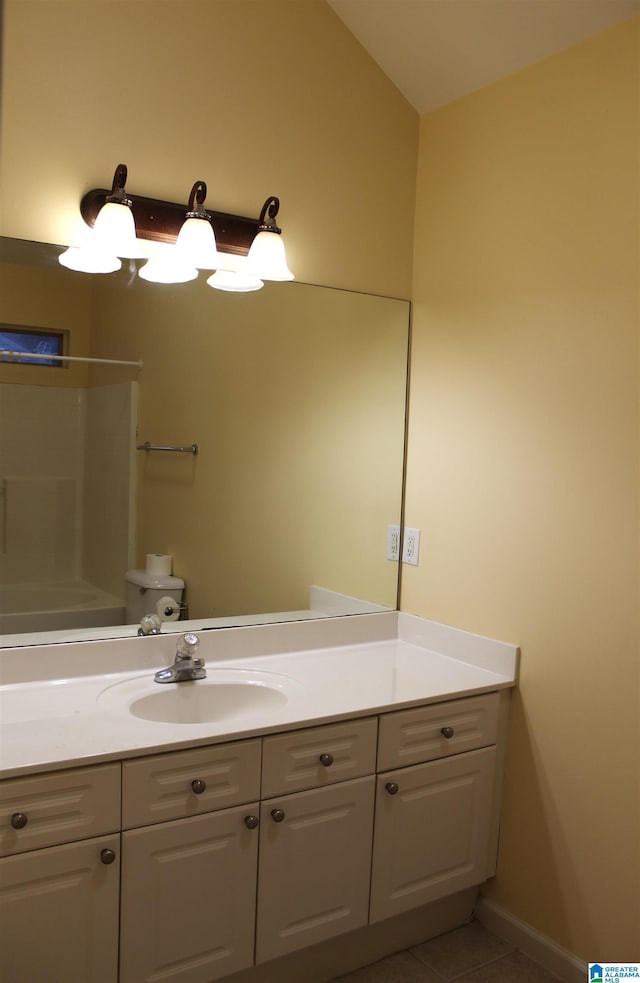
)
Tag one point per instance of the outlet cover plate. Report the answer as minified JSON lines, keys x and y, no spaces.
{"x":411,"y":546}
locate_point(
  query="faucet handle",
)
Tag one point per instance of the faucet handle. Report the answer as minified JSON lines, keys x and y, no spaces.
{"x":150,"y":624}
{"x":188,"y":646}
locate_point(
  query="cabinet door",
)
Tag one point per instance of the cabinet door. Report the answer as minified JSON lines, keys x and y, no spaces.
{"x":315,"y":855}
{"x":188,"y":898}
{"x":431,"y":831}
{"x":59,"y":914}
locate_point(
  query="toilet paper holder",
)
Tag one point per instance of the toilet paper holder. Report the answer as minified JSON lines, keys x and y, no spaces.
{"x":169,"y":609}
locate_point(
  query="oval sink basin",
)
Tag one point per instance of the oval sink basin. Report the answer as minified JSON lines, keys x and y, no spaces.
{"x":223,"y":695}
{"x":193,"y":703}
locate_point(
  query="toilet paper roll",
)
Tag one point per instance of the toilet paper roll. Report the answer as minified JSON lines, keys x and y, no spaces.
{"x":159,"y":564}
{"x":168,"y":608}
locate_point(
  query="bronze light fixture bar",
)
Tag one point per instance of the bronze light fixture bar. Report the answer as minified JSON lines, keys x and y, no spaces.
{"x":197,"y":239}
{"x":161,"y":221}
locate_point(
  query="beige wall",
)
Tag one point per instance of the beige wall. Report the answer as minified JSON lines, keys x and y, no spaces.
{"x":523,"y":459}
{"x":256,"y":97}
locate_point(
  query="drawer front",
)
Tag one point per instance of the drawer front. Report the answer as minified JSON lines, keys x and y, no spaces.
{"x":318,"y":756}
{"x":189,"y":783}
{"x":411,"y":736}
{"x":46,"y":810}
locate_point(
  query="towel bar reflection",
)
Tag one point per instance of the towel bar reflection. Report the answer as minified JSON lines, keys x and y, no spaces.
{"x":191,"y":449}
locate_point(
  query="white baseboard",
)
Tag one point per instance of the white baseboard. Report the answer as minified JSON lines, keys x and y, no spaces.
{"x":534,"y":944}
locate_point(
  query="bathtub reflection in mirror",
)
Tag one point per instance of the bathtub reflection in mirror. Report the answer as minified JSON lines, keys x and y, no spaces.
{"x":295,"y":396}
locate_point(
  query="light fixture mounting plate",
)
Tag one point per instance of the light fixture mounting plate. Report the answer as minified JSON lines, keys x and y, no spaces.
{"x":160,"y":221}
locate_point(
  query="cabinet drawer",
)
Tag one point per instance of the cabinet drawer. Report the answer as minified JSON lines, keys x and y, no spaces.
{"x":318,"y":756}
{"x":411,"y":736}
{"x":58,"y":808}
{"x":189,"y":783}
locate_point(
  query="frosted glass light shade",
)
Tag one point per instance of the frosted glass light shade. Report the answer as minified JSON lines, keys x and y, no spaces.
{"x":115,"y":231}
{"x":196,"y":244}
{"x":85,"y":259}
{"x":235,"y":281}
{"x":167,"y":270}
{"x":267,"y":258}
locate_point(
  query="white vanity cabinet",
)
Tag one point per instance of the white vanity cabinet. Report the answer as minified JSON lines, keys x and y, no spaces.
{"x":315,"y":845}
{"x":433,"y":818}
{"x":189,"y":880}
{"x":196,"y":864}
{"x":60,"y":877}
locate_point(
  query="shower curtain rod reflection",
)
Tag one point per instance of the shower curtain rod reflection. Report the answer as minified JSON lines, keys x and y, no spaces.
{"x":7,"y":356}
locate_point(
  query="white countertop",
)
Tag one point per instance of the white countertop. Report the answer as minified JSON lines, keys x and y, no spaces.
{"x":72,"y":710}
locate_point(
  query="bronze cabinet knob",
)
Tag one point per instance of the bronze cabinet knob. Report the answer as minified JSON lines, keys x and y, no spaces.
{"x":326,"y":760}
{"x":198,"y":786}
{"x":277,"y":815}
{"x":392,"y":788}
{"x":18,"y":820}
{"x":107,"y":856}
{"x":447,"y":732}
{"x":251,"y":822}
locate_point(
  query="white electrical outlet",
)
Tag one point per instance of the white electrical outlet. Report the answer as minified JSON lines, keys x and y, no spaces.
{"x":393,"y":542}
{"x":411,"y":546}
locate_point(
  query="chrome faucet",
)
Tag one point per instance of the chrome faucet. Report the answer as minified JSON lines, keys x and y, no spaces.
{"x":187,"y":665}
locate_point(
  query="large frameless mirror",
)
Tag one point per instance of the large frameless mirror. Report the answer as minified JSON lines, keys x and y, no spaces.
{"x":295,"y":398}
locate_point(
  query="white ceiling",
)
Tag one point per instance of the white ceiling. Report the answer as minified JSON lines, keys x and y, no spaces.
{"x":438,"y":50}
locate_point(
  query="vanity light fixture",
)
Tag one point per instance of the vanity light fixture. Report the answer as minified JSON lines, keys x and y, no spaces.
{"x":113,"y":234}
{"x":114,"y":230}
{"x":267,"y":258}
{"x":165,"y":269}
{"x":194,"y":243}
{"x":195,"y":248}
{"x":235,"y":279}
{"x":84,"y":259}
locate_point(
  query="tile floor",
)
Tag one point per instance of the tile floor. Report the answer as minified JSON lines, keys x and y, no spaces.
{"x":469,"y":954}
